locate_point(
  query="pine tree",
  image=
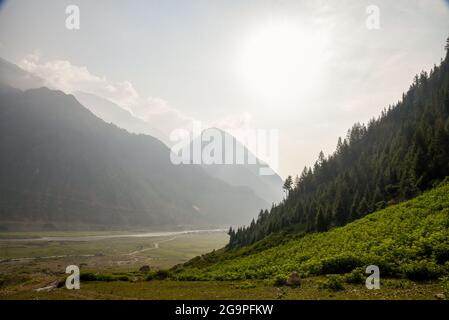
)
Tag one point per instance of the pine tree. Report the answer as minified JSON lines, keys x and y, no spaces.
{"x":321,"y":222}
{"x":288,"y":185}
{"x":340,"y":213}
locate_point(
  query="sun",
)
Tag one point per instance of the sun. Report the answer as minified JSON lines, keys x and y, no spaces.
{"x":279,"y":61}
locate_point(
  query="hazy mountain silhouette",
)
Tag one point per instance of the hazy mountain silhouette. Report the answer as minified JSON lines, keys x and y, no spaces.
{"x":268,"y":187}
{"x":113,"y":113}
{"x":61,"y":164}
{"x":12,"y":75}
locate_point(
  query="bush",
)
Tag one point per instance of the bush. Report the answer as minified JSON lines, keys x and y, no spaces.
{"x":356,"y":276}
{"x":340,"y":264}
{"x":332,"y":282}
{"x":442,"y":253}
{"x":150,"y":276}
{"x":88,"y":276}
{"x":123,"y":278}
{"x":279,"y":280}
{"x":104,"y":278}
{"x":161,"y":274}
{"x":422,"y":271}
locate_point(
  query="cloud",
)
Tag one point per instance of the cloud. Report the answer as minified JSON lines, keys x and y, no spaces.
{"x":69,"y":78}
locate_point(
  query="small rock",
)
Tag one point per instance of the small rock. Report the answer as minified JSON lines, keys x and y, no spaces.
{"x":440,"y":296}
{"x":59,"y":283}
{"x":145,"y":268}
{"x":294,"y":280}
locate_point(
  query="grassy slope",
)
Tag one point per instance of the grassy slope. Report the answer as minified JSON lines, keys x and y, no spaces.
{"x":410,"y":239}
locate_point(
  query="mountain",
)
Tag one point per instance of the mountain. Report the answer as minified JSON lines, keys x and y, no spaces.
{"x":395,"y":157}
{"x":12,"y":75}
{"x":267,"y":187}
{"x":112,"y":113}
{"x":406,"y":240}
{"x":63,"y":167}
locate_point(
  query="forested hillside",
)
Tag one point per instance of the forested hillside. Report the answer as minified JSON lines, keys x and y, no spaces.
{"x":393,"y":158}
{"x":410,"y":240}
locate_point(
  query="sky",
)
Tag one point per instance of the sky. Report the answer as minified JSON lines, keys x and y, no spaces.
{"x":309,"y":69}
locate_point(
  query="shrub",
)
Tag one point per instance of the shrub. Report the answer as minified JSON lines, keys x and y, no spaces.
{"x":150,"y":276}
{"x":88,"y":276}
{"x":279,"y":280}
{"x":421,"y":271}
{"x":357,"y":276}
{"x":104,"y":277}
{"x":332,"y":282}
{"x":123,"y":278}
{"x":184,"y":277}
{"x":442,"y":253}
{"x":161,"y":274}
{"x":340,"y":264}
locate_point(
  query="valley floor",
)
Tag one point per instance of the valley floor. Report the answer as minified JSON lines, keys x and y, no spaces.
{"x":27,"y":265}
{"x":214,"y":290}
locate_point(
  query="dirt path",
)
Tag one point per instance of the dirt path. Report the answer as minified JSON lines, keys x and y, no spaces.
{"x":156,"y":246}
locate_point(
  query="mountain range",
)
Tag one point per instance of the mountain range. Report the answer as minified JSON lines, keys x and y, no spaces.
{"x":62,"y":165}
{"x":81,"y":161}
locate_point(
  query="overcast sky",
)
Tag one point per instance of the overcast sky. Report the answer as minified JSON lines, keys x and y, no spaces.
{"x":307,"y":68}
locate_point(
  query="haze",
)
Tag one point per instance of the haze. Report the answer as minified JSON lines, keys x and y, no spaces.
{"x":307,"y":68}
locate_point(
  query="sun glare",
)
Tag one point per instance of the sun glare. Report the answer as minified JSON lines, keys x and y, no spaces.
{"x":279,"y":61}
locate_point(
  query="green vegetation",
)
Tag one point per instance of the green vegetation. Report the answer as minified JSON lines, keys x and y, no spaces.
{"x":332,"y":282}
{"x":218,"y":290}
{"x":88,"y":276}
{"x":408,"y":240}
{"x":395,"y":157}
